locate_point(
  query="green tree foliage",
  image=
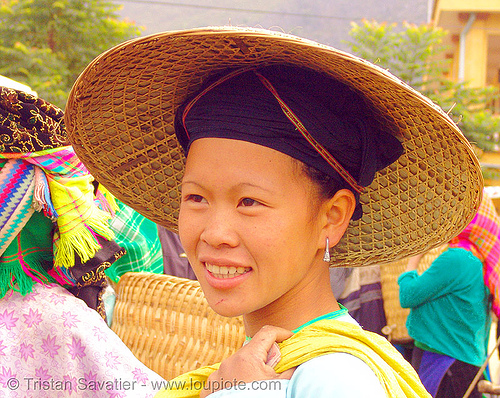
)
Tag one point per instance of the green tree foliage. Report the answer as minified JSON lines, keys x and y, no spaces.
{"x":416,"y":55}
{"x":47,"y":43}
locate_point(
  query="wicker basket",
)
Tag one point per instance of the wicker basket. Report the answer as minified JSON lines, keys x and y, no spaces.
{"x":395,"y":315}
{"x":168,"y":325}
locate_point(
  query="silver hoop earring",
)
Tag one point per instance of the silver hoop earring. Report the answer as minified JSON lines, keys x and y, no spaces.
{"x":326,"y":257}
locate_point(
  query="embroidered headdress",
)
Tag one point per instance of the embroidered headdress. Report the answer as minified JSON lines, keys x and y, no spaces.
{"x":49,"y":220}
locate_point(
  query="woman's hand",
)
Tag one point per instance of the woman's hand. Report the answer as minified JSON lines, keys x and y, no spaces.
{"x":254,"y":361}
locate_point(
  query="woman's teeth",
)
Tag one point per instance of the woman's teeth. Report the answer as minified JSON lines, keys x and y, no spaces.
{"x":226,"y":272}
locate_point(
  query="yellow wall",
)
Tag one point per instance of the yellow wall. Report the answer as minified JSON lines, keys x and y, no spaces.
{"x":494,"y":21}
{"x":467,"y":5}
{"x":490,"y":157}
{"x":482,"y":47}
{"x":476,"y":50}
{"x":452,"y":15}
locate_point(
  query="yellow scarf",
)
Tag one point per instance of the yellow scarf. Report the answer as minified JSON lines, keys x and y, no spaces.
{"x":396,"y":375}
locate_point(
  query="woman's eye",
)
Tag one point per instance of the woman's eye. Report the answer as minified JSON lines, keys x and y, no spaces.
{"x":194,"y":198}
{"x":246,"y":202}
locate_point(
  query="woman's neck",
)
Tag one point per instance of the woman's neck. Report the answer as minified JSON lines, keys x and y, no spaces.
{"x":292,"y":310}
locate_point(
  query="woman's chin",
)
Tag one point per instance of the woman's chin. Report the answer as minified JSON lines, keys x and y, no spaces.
{"x":223,"y":308}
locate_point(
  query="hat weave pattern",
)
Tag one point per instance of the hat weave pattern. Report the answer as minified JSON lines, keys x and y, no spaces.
{"x":120,"y":121}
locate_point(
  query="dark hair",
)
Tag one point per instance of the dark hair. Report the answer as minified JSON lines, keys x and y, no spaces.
{"x":328,"y":185}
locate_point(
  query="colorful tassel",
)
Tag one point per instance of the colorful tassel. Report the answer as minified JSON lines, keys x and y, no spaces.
{"x":21,"y":278}
{"x":41,"y":197}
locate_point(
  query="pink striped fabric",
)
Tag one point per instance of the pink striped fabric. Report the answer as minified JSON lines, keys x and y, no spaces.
{"x":482,"y":238}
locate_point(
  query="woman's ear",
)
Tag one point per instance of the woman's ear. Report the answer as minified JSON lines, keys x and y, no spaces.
{"x":338,"y":213}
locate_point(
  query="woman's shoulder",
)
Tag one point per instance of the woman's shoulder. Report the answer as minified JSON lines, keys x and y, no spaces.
{"x":336,"y":374}
{"x":459,"y":256}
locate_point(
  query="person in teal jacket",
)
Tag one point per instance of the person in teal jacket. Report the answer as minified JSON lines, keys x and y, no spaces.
{"x":450,"y":310}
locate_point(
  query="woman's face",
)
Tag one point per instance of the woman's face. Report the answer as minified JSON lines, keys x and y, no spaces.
{"x":247,"y":225}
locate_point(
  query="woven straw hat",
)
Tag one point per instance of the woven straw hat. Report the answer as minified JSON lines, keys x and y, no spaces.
{"x":120,"y":116}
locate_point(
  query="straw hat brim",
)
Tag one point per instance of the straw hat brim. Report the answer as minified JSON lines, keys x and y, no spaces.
{"x":120,"y":116}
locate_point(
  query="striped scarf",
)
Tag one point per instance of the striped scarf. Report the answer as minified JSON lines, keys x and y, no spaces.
{"x":17,"y":184}
{"x":56,"y":182}
{"x":482,"y":238}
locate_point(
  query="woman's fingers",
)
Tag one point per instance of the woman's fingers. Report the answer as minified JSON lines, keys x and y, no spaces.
{"x":263,"y":343}
{"x":254,"y":361}
{"x":273,"y":356}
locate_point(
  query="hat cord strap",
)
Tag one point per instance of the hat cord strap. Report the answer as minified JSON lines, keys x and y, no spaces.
{"x":315,"y":144}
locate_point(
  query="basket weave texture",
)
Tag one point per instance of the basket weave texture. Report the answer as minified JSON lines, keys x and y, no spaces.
{"x":395,"y":315}
{"x":167,"y":323}
{"x":120,"y":117}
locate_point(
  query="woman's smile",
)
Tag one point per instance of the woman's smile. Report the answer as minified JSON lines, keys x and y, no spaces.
{"x":226,"y":272}
{"x":224,"y":278}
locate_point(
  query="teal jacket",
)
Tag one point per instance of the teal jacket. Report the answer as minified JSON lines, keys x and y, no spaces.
{"x":450,"y":307}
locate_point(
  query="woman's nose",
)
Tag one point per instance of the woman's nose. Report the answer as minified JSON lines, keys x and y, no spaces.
{"x":219,"y":230}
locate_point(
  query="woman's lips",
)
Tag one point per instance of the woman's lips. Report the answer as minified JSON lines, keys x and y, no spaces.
{"x":222,"y":272}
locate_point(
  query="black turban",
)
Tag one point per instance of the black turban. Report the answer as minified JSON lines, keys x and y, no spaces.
{"x":334,"y":115}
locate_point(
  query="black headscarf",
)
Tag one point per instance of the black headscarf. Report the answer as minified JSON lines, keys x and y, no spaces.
{"x":338,"y":118}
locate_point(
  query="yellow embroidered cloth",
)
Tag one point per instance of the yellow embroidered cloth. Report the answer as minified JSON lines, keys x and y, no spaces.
{"x":396,"y":375}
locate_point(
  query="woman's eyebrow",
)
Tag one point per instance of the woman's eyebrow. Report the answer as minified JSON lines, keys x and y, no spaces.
{"x":237,"y":186}
{"x":251,"y":185}
{"x":188,"y":182}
